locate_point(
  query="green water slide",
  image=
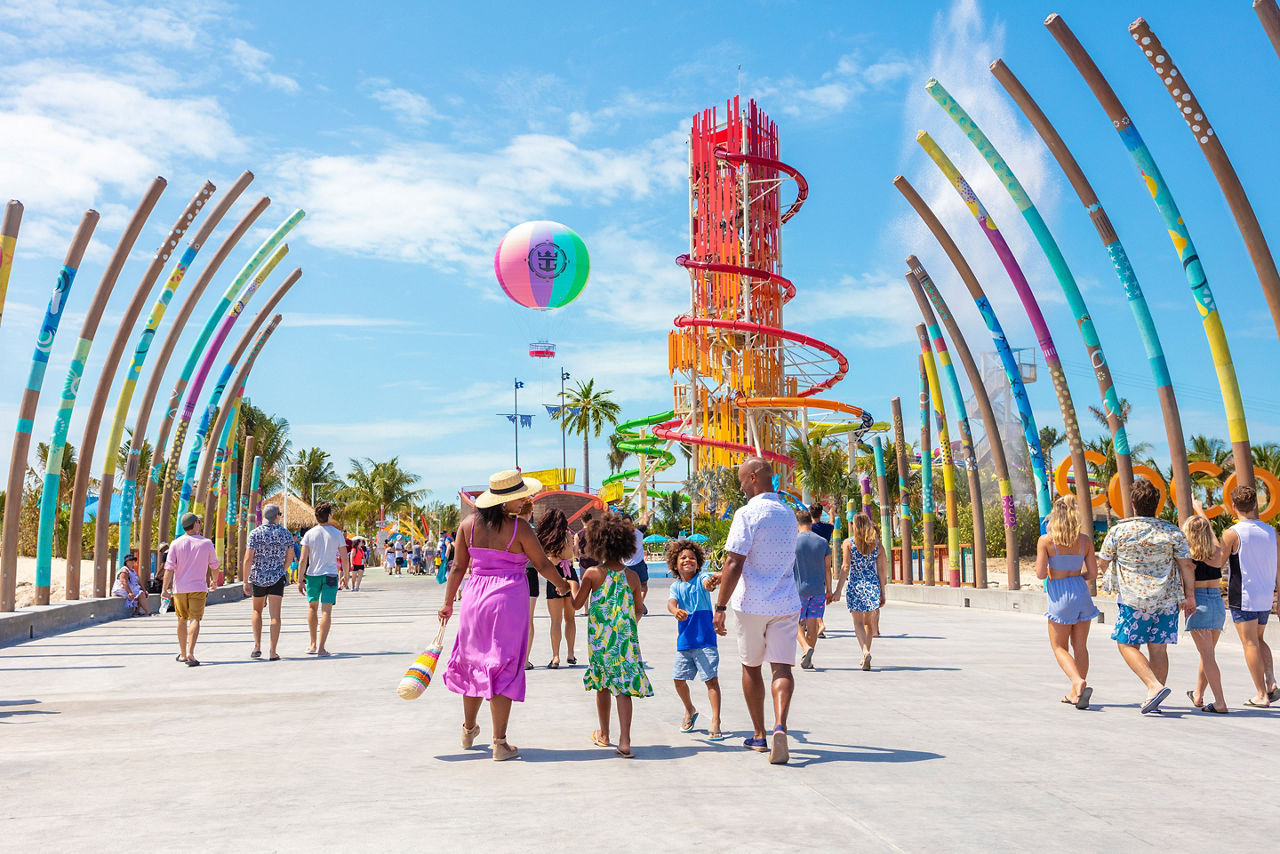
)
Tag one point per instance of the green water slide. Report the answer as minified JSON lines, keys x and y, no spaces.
{"x":634,"y":442}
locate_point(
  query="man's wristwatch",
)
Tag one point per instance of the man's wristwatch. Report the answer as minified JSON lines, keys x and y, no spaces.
{"x":720,"y":609}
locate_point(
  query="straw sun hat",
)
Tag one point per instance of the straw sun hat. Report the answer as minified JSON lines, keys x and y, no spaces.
{"x":507,"y":486}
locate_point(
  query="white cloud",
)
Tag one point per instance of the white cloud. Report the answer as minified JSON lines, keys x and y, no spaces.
{"x":56,"y":24}
{"x":835,"y":91}
{"x":433,"y":204}
{"x":254,"y":63}
{"x":409,"y":107}
{"x":305,"y":320}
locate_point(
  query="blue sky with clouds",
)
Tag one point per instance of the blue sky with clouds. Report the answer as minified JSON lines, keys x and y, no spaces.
{"x":415,"y":135}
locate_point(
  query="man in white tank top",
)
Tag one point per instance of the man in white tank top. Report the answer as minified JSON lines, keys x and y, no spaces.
{"x":1251,"y":589}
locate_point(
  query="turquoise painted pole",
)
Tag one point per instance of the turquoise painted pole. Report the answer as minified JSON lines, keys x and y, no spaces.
{"x":1128,"y":281}
{"x":1084,"y":322}
{"x":70,"y":389}
{"x":882,"y":488}
{"x":27,"y":409}
{"x":926,"y":478}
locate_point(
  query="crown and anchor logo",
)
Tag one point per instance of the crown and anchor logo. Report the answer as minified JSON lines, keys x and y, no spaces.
{"x":547,"y":260}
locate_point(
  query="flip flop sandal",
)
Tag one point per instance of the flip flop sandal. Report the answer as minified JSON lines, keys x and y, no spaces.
{"x":1274,"y":694}
{"x":572,"y":660}
{"x":554,"y":665}
{"x":598,"y":741}
{"x":1191,"y":695}
{"x":1068,"y":701}
{"x":687,"y":726}
{"x":627,"y":754}
{"x":179,"y":657}
{"x":1250,"y":702}
{"x":716,"y":736}
{"x":1152,"y":704}
{"x":257,"y":653}
{"x":191,"y":662}
{"x":274,"y":658}
{"x":1083,"y":703}
{"x":1213,"y":710}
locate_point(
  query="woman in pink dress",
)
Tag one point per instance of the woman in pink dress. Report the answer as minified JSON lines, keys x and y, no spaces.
{"x":492,"y":645}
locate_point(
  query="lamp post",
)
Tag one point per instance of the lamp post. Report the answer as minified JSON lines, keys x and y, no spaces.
{"x":564,"y":448}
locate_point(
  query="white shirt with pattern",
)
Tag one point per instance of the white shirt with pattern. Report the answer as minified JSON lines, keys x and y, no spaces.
{"x":764,"y":532}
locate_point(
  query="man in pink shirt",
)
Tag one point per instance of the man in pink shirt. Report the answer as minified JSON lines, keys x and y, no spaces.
{"x":188,"y":578}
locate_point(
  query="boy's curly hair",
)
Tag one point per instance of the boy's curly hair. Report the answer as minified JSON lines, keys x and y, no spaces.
{"x":675,"y":547}
{"x":611,"y":539}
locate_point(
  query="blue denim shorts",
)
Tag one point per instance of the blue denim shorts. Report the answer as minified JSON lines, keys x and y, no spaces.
{"x":1211,"y":611}
{"x":703,"y":663}
{"x":1239,"y":616}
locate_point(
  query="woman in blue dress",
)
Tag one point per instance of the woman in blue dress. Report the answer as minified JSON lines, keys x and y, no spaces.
{"x":865,"y":568}
{"x":1065,"y":559}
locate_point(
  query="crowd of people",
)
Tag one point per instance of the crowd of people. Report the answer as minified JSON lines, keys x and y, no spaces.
{"x":777,"y":579}
{"x":1156,"y":571}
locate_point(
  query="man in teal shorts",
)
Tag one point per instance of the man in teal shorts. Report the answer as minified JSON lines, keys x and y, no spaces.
{"x":324,"y":553}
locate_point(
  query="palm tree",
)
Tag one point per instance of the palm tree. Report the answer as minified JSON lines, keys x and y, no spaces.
{"x":587,"y":412}
{"x":271,"y":442}
{"x":443,"y":516}
{"x":1101,"y":417}
{"x":1266,"y":455}
{"x":315,"y":470}
{"x":617,"y":457}
{"x":1050,"y":439}
{"x":819,"y":465}
{"x":1205,"y":449}
{"x":378,"y":487}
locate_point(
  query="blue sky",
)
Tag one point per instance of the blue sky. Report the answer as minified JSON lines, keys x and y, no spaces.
{"x":416,"y":134}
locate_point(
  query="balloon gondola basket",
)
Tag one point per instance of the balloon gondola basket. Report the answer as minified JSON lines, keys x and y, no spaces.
{"x":542,"y":350}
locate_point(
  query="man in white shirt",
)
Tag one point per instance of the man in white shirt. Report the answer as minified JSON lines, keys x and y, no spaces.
{"x":1251,"y":587}
{"x":324,"y":553}
{"x":760,"y":552}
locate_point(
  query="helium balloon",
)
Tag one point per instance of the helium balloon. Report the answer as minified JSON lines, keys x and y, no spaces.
{"x":542,"y":265}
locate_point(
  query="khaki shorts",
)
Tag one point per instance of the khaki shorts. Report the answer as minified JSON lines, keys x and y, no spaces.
{"x":190,"y":606}
{"x":766,"y":638}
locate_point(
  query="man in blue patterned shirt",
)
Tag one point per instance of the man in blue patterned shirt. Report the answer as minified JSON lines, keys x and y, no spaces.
{"x":270,"y":549}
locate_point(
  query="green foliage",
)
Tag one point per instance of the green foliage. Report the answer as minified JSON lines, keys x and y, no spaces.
{"x":372,"y":487}
{"x":311,"y":467}
{"x":587,"y":411}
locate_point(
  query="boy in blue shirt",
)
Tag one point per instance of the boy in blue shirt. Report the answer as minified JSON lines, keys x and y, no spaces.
{"x":696,"y":650}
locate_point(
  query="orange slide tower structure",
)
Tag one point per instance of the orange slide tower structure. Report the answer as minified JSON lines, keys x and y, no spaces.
{"x":743,"y":383}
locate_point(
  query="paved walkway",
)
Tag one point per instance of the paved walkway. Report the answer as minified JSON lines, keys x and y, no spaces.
{"x":955,"y":741}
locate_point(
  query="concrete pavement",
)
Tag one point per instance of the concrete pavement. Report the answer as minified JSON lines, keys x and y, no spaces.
{"x":955,"y":741}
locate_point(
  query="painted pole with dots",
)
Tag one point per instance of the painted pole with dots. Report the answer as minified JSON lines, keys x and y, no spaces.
{"x":927,"y":514}
{"x":904,"y":496}
{"x":1188,"y":257}
{"x":948,"y":465}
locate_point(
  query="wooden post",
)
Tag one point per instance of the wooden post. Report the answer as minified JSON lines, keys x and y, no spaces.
{"x":243,"y":519}
{"x":882,"y":488}
{"x":904,"y":496}
{"x":948,"y":467}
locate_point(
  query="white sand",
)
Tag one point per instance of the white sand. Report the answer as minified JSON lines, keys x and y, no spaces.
{"x":26,"y":587}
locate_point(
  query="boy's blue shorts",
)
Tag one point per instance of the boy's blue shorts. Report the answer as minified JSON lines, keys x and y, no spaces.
{"x":703,"y":663}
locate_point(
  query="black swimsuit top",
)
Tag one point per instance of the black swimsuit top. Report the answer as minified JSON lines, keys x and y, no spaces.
{"x":1205,"y":572}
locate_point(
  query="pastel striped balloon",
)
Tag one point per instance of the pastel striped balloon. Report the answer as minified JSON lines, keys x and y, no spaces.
{"x":542,"y":265}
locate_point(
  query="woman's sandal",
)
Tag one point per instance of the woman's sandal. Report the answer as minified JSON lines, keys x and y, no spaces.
{"x":1191,"y":695}
{"x":553,"y":665}
{"x":625,"y":754}
{"x":503,"y":751}
{"x":598,"y":740}
{"x":572,"y":660}
{"x":866,"y":661}
{"x":469,"y":736}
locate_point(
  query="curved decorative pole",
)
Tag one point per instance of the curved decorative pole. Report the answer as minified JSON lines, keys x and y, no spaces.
{"x":197,"y":384}
{"x":1128,"y":280}
{"x":27,"y":409}
{"x":904,"y":505}
{"x":1269,"y":14}
{"x":175,"y":397}
{"x":882,"y":487}
{"x":1062,"y":272}
{"x":1012,"y":374}
{"x":948,"y":375}
{"x":111,"y":456}
{"x":224,"y":414}
{"x":70,"y":388}
{"x":1232,"y":403}
{"x":948,"y":465}
{"x":864,"y":492}
{"x":1084,"y":501}
{"x":255,"y":494}
{"x":1211,"y":147}
{"x":98,"y":405}
{"x":139,"y":437}
{"x":926,"y":478}
{"x":111,"y":452}
{"x":200,"y":484}
{"x":8,"y":241}
{"x":242,"y":503}
{"x":225,"y":487}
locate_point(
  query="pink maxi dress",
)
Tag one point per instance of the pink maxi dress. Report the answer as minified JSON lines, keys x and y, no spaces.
{"x":492,"y":645}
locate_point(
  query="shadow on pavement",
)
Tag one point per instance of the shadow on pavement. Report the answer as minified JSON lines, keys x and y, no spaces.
{"x":68,"y":667}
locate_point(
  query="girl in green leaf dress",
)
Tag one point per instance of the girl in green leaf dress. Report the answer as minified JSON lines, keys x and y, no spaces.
{"x":614,"y":667}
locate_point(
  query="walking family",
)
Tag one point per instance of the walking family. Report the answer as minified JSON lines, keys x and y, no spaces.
{"x":1156,"y":571}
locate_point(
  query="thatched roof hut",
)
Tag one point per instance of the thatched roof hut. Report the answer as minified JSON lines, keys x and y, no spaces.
{"x":300,"y":514}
